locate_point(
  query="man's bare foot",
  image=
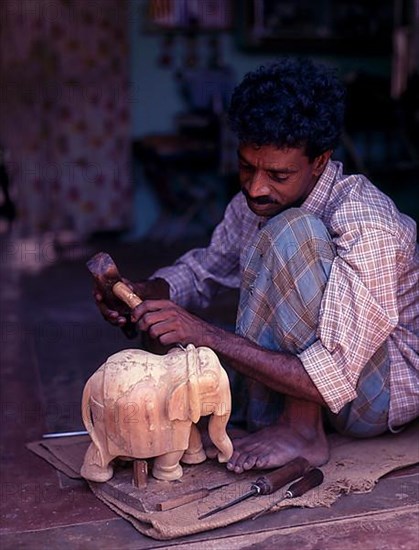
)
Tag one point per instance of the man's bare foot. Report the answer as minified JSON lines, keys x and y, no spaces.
{"x":299,"y":432}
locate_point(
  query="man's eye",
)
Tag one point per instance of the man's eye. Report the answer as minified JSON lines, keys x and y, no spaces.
{"x":278,"y":178}
{"x":245,"y":167}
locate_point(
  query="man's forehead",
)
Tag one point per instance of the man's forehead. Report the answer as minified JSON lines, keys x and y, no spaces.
{"x":270,"y":155}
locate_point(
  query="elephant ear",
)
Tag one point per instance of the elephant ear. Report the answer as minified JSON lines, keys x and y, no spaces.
{"x":184,"y":402}
{"x":193,"y":383}
{"x":177,"y":408}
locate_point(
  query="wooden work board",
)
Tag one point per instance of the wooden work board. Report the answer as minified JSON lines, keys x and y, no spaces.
{"x":197,"y":482}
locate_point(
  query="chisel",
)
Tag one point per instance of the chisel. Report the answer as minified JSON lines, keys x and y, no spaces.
{"x":269,"y":483}
{"x":311,"y":479}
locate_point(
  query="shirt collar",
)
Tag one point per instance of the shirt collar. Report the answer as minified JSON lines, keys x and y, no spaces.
{"x":319,"y":196}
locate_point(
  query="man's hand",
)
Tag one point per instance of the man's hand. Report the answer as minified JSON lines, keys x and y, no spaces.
{"x":109,"y":313}
{"x":112,"y":313}
{"x":171,"y":324}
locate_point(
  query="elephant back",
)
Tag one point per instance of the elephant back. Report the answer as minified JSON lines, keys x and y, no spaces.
{"x":136,"y":389}
{"x":130,"y":367}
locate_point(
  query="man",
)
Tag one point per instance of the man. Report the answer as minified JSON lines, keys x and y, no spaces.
{"x":328,"y":270}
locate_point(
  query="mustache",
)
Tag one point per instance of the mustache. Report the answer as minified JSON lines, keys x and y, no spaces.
{"x":265,"y":199}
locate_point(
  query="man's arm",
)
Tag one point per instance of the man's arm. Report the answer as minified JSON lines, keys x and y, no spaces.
{"x":280,"y":371}
{"x":171,"y":324}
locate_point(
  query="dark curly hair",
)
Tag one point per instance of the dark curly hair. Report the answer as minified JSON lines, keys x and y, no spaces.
{"x":290,"y":103}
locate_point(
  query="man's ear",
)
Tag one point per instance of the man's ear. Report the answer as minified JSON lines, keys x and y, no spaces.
{"x":320,"y":162}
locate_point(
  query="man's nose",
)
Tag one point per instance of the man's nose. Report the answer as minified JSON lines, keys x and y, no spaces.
{"x":258,"y":186}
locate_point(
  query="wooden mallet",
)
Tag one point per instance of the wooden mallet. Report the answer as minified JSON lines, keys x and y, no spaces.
{"x":113,"y":289}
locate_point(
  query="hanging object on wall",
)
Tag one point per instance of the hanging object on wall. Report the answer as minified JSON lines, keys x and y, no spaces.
{"x":68,"y":137}
{"x":189,"y":19}
{"x":187,"y":14}
{"x":163,"y":12}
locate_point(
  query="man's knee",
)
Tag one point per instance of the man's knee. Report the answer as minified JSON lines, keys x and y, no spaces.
{"x":296,"y":221}
{"x":295,"y":231}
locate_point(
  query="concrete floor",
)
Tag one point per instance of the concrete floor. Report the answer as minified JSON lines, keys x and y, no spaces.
{"x":52,"y":339}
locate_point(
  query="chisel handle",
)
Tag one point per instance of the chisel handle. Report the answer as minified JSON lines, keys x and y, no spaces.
{"x":269,"y":483}
{"x":308,"y":481}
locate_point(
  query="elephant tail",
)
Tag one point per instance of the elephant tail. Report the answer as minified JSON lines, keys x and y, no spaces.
{"x":86,"y":411}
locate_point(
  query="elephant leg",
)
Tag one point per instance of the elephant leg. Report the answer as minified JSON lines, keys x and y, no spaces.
{"x":195,"y":453}
{"x":96,"y":465}
{"x":166,"y":467}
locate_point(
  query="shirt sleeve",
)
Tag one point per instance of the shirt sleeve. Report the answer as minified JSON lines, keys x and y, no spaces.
{"x":197,"y":276}
{"x":358,"y":312}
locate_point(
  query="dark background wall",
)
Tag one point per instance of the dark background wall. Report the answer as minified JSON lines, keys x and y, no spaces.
{"x":179,"y":80}
{"x":366,"y":42}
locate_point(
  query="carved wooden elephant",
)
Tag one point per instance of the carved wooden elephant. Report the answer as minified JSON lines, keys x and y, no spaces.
{"x":141,"y":405}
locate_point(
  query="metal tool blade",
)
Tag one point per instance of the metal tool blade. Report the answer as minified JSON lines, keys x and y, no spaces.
{"x":252,"y":492}
{"x":64,"y":434}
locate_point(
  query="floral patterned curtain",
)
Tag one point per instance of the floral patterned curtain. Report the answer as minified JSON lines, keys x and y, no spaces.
{"x":64,"y":119}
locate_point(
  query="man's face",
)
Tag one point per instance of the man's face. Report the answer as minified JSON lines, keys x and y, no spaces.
{"x":273,"y":179}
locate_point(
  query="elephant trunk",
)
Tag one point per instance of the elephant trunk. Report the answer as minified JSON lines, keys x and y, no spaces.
{"x":218,"y":435}
{"x":219,"y":419}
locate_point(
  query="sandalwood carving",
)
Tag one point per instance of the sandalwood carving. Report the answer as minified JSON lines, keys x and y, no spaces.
{"x":141,"y":405}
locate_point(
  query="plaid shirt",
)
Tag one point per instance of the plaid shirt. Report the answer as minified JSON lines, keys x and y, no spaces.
{"x":372,"y":295}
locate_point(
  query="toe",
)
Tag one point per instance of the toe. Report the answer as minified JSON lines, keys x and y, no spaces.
{"x":250,"y":462}
{"x":231,"y":464}
{"x":242,"y":460}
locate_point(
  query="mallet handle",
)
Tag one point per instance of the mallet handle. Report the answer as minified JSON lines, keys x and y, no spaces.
{"x":124,"y":293}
